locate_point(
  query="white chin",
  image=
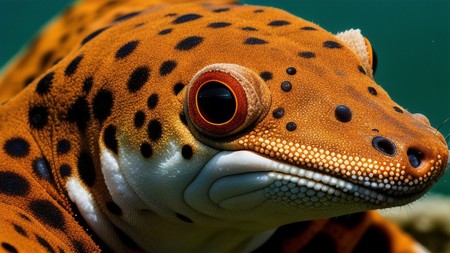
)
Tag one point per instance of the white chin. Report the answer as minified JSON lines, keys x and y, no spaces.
{"x":243,"y":184}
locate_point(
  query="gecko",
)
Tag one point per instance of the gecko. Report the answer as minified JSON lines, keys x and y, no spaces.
{"x":193,"y":126}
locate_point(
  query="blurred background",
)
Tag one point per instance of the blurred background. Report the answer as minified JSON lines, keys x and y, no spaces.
{"x":410,"y":37}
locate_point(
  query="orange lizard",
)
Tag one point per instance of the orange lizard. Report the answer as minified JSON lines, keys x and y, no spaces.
{"x":163,"y":126}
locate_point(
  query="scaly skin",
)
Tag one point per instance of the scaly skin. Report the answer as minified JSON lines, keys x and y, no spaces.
{"x":112,"y":147}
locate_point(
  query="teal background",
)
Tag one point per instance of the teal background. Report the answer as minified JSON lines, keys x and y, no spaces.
{"x":411,"y":38}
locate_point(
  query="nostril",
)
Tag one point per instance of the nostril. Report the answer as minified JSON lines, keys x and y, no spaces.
{"x":415,"y":157}
{"x":384,"y":145}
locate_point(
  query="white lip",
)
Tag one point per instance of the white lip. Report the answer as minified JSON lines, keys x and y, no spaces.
{"x":230,"y":178}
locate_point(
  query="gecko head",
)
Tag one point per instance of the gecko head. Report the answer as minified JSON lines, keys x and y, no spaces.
{"x":314,"y":137}
{"x":283,"y":122}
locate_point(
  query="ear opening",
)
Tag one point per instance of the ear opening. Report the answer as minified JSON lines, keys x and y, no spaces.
{"x":360,"y":46}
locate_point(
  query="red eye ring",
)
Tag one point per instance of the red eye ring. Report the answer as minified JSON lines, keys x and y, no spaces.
{"x":196,"y":113}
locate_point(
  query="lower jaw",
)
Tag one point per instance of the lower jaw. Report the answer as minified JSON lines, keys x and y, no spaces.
{"x":306,"y":192}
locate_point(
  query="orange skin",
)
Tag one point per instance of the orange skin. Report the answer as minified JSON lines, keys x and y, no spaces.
{"x":61,"y":106}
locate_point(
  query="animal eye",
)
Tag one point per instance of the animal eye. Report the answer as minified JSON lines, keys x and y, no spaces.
{"x":372,"y":55}
{"x":216,"y":102}
{"x":223,"y":99}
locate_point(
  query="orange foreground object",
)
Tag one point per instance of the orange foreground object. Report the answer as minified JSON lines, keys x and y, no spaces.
{"x":148,"y":126}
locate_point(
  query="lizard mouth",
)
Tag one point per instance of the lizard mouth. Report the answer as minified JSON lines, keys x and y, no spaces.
{"x":244,"y":180}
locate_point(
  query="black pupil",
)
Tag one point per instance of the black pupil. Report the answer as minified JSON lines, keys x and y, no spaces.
{"x":216,"y":102}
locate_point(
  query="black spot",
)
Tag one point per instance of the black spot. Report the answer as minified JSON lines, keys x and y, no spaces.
{"x":102,"y":105}
{"x":81,"y":29}
{"x":45,"y":59}
{"x":93,"y":35}
{"x":146,"y":150}
{"x":266,"y":76}
{"x":109,"y":138}
{"x":278,"y":23}
{"x":249,"y":28}
{"x":29,"y":80}
{"x":373,"y":91}
{"x":183,"y":118}
{"x":291,"y":71}
{"x":258,"y":11}
{"x":170,"y":15}
{"x":86,"y":168}
{"x":65,"y":170}
{"x":186,"y":18}
{"x":139,"y":119}
{"x":349,"y":220}
{"x":126,"y":49}
{"x":154,"y":130}
{"x":13,"y":184}
{"x":397,"y":109}
{"x":16,"y":147}
{"x":44,"y":85}
{"x":42,"y":168}
{"x":127,"y":241}
{"x":375,"y":130}
{"x":73,"y":66}
{"x":278,"y":113}
{"x":45,"y":244}
{"x":254,"y":41}
{"x":138,"y":78}
{"x":139,"y":25}
{"x":286,"y":86}
{"x":184,"y":218}
{"x":331,"y":44}
{"x":20,"y":230}
{"x":23,"y":216}
{"x":152,"y":101}
{"x":374,"y":240}
{"x":9,"y":248}
{"x":165,"y":31}
{"x":307,"y":54}
{"x":221,"y":10}
{"x":79,"y":113}
{"x":361,"y":69}
{"x":63,"y":147}
{"x":177,"y":88}
{"x":64,"y":38}
{"x":87,"y":84}
{"x":48,"y":213}
{"x":219,"y":24}
{"x":308,"y":28}
{"x":126,"y":16}
{"x":343,"y":113}
{"x":38,"y":117}
{"x":113,"y":208}
{"x":320,"y":243}
{"x":291,"y":126}
{"x":189,"y":43}
{"x":186,"y":151}
{"x":167,"y":67}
